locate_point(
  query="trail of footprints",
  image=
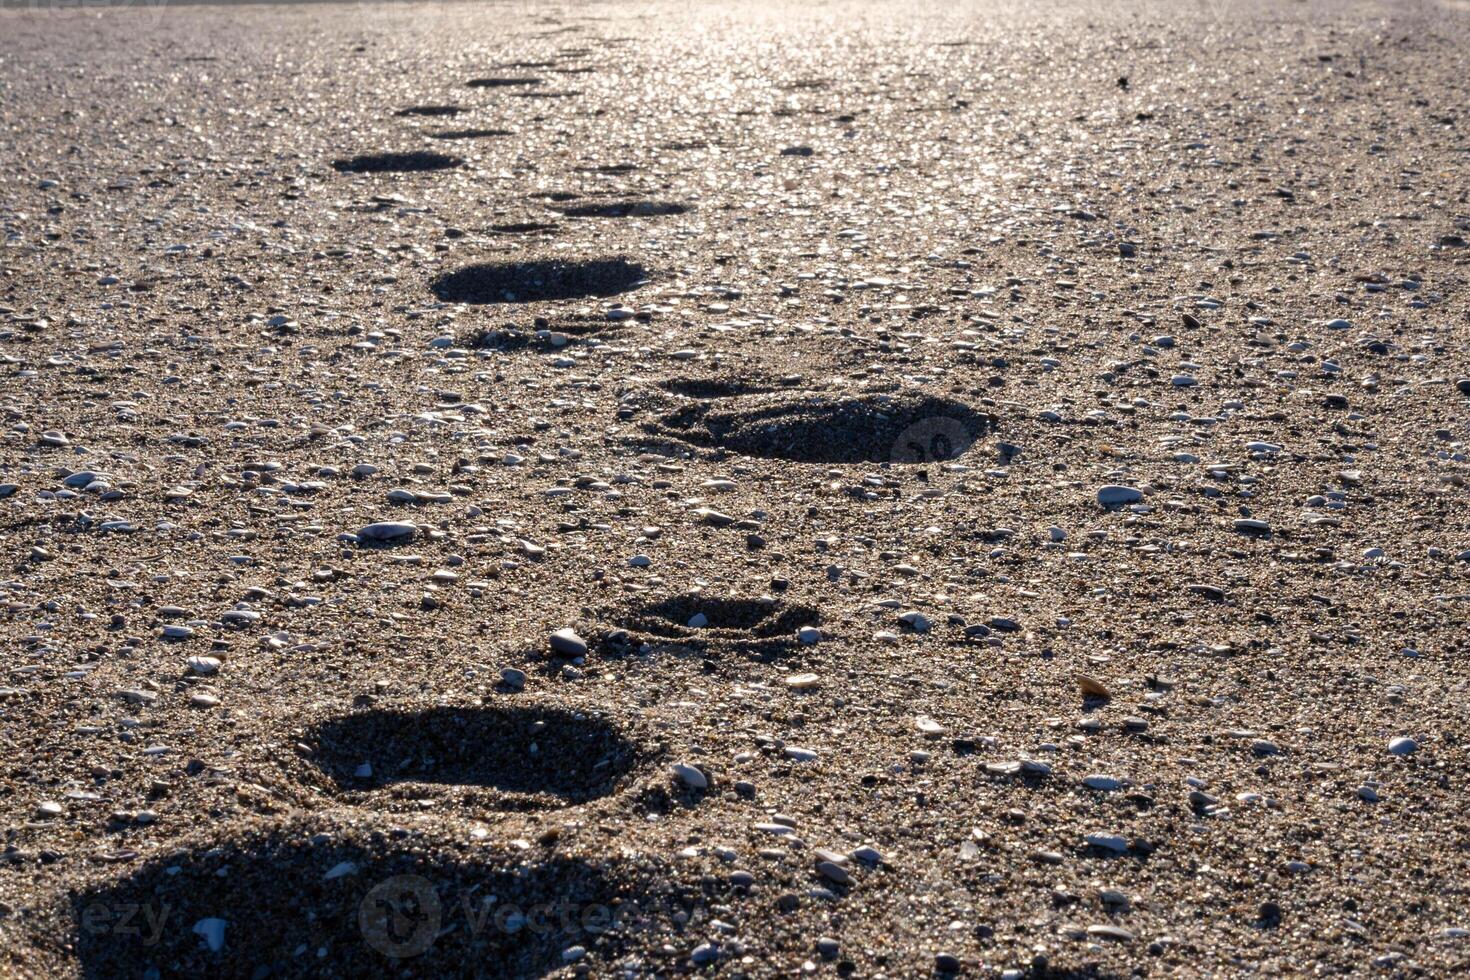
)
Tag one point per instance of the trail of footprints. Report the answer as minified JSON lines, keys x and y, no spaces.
{"x":382,"y":760}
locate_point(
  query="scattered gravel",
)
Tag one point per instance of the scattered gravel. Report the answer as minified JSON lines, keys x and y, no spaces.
{"x":741,"y":489}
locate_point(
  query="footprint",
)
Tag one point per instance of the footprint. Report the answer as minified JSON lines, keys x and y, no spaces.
{"x":762,"y":624}
{"x":538,"y":281}
{"x":430,"y":110}
{"x":469,"y":134}
{"x":608,"y":168}
{"x":717,"y":387}
{"x":396,"y":163}
{"x":816,"y":427}
{"x":375,"y":898}
{"x":627,"y":209}
{"x":527,"y":758}
{"x":501,"y":82}
{"x":523,"y":227}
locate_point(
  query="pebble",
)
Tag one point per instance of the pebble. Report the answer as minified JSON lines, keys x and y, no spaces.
{"x":387,"y":531}
{"x":835,"y":872}
{"x":1104,"y":783}
{"x":916,"y":621}
{"x":212,"y":931}
{"x":567,"y":643}
{"x":689,"y":776}
{"x":1403,"y":745}
{"x":1114,"y":495}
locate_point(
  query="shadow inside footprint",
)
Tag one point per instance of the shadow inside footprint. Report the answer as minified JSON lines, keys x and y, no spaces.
{"x":536,"y":281}
{"x":824,"y":428}
{"x":533,"y":751}
{"x":312,"y":898}
{"x":396,"y":163}
{"x":627,"y":209}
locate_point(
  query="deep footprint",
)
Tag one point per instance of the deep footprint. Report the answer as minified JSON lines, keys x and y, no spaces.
{"x":273,"y":900}
{"x":396,"y":163}
{"x":546,"y":755}
{"x":821,"y":428}
{"x":538,"y":281}
{"x":627,"y":209}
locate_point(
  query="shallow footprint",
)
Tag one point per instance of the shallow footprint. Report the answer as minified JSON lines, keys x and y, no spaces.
{"x":704,"y":619}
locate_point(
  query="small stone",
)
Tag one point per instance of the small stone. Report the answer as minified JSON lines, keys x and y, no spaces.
{"x":212,"y":931}
{"x":928,"y":726}
{"x":49,"y":810}
{"x":714,"y":517}
{"x":809,"y":635}
{"x":1116,"y":496}
{"x":916,"y":621}
{"x":833,"y":871}
{"x":1103,"y":783}
{"x":387,"y":531}
{"x":567,"y":643}
{"x":513,"y":678}
{"x":689,"y":776}
{"x":1403,"y":745}
{"x":1108,"y":842}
